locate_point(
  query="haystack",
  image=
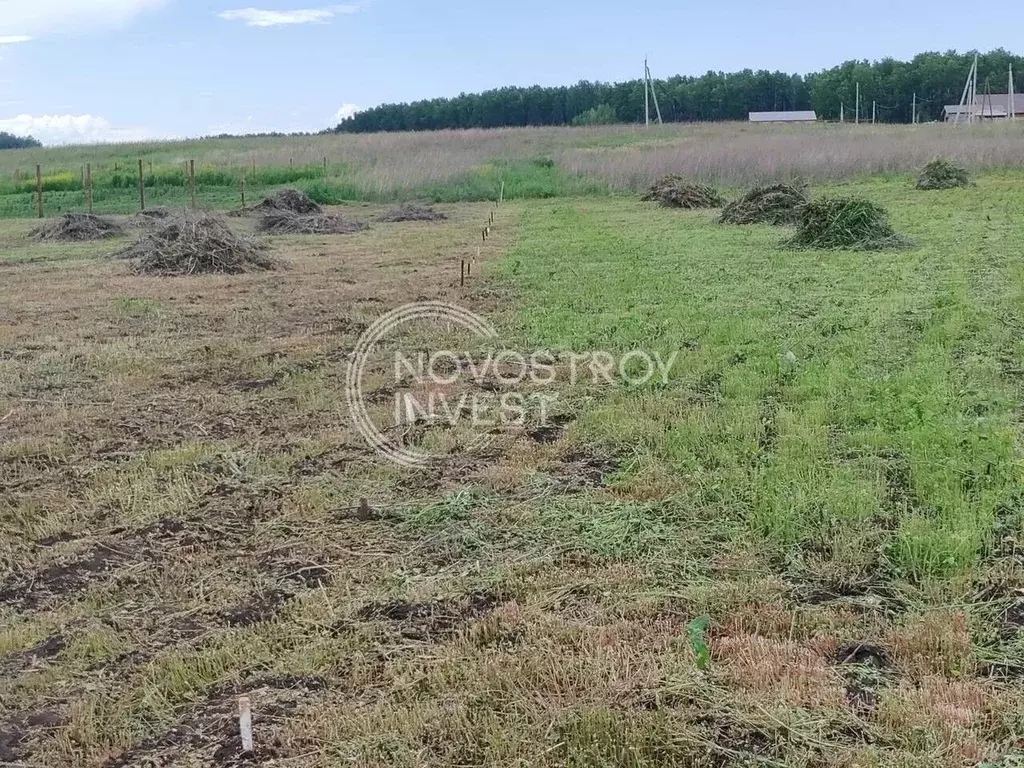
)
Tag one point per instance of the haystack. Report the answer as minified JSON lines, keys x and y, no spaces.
{"x":288,"y":223}
{"x":290,"y":200}
{"x":850,"y":223}
{"x":676,"y":192}
{"x":76,"y":228}
{"x":412,"y":212}
{"x":777,"y":204}
{"x":943,"y":174}
{"x":196,"y":244}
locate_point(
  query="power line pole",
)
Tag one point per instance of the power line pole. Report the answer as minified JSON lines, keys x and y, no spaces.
{"x":967,"y":99}
{"x":842,"y":113}
{"x":647,"y":98}
{"x":913,"y":114}
{"x":857,"y":117}
{"x":1012,"y":105}
{"x":874,"y":110}
{"x":654,"y":93}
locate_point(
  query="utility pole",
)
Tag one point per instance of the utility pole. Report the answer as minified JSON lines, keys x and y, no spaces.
{"x":857,"y":117}
{"x":967,"y":98}
{"x":1012,"y":105}
{"x":647,"y":98}
{"x":913,"y":114}
{"x":874,"y":110}
{"x":654,"y":93}
{"x":842,"y":113}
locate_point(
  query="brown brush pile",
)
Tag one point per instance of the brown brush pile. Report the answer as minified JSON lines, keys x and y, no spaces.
{"x":76,"y":228}
{"x":412,"y":212}
{"x":288,"y":223}
{"x":287,"y":200}
{"x":777,"y":204}
{"x":676,"y":192}
{"x":196,"y":244}
{"x":151,"y":217}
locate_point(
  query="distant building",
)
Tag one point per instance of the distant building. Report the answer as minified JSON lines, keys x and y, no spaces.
{"x":807,"y":116}
{"x":988,"y":107}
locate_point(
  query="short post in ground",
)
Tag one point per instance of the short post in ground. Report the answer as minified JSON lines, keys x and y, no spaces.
{"x":88,"y":186}
{"x":142,"y":189}
{"x":39,"y":191}
{"x":192,"y":180}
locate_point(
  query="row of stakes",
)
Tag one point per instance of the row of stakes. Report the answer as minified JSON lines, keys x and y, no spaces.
{"x":466,"y":265}
{"x":363,"y":511}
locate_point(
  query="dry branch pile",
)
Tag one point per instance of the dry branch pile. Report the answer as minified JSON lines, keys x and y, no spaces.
{"x":288,"y":200}
{"x":850,"y":223}
{"x":196,"y":244}
{"x":943,"y":174}
{"x":288,"y":223}
{"x":676,"y":192}
{"x":777,"y":204}
{"x":412,"y":212}
{"x":76,"y":228}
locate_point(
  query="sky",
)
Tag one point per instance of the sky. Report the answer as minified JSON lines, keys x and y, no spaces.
{"x":75,"y":71}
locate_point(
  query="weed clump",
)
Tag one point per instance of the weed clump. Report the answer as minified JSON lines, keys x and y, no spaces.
{"x":777,"y":204}
{"x":76,"y":228}
{"x":287,"y":200}
{"x":412,"y":212}
{"x":676,"y":192}
{"x":196,"y":244}
{"x":290,"y":223}
{"x":849,"y":223}
{"x":943,"y":174}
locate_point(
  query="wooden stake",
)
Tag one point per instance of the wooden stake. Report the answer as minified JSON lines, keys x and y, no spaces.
{"x":483,"y":234}
{"x":142,"y":189}
{"x":325,"y":169}
{"x":245,"y":724}
{"x":243,"y":190}
{"x":501,"y":197}
{"x":192,"y":180}
{"x":462,"y":273}
{"x":88,"y":185}
{"x":39,"y":191}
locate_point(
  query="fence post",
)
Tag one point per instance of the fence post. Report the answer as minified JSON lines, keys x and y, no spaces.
{"x":325,"y":169}
{"x":39,"y":191}
{"x":192,"y":180}
{"x":88,"y":185}
{"x":243,"y":190}
{"x":142,"y":189}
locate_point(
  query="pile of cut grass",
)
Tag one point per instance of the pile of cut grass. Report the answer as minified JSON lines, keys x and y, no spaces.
{"x":846,"y":223}
{"x":76,"y":228}
{"x":943,"y":174}
{"x":196,"y":244}
{"x":676,"y":192}
{"x":286,"y":200}
{"x":289,"y":223}
{"x":777,"y":204}
{"x":412,"y":212}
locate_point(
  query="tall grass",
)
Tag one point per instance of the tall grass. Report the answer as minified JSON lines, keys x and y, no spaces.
{"x":449,"y":166}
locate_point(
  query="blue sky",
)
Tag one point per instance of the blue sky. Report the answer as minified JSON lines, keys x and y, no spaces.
{"x":101,"y":70}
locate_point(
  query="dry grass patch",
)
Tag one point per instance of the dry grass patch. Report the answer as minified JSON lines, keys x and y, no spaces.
{"x":678,"y":192}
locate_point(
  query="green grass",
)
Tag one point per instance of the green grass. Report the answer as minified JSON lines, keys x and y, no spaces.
{"x":855,"y":413}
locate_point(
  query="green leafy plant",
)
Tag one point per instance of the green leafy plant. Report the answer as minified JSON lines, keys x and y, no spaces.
{"x":697,"y":634}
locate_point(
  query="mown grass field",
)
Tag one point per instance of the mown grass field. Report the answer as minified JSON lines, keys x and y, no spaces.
{"x":826,"y":494}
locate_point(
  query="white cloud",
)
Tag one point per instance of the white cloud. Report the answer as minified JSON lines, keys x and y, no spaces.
{"x":256,"y":17}
{"x":346,"y":111}
{"x":13,"y":39}
{"x":72,"y":129}
{"x":24,"y":18}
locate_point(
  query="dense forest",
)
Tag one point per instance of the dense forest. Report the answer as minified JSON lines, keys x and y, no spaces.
{"x":936,"y":78}
{"x":10,"y":141}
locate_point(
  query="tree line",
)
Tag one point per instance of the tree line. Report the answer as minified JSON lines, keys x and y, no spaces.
{"x":10,"y":141}
{"x":936,"y":78}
